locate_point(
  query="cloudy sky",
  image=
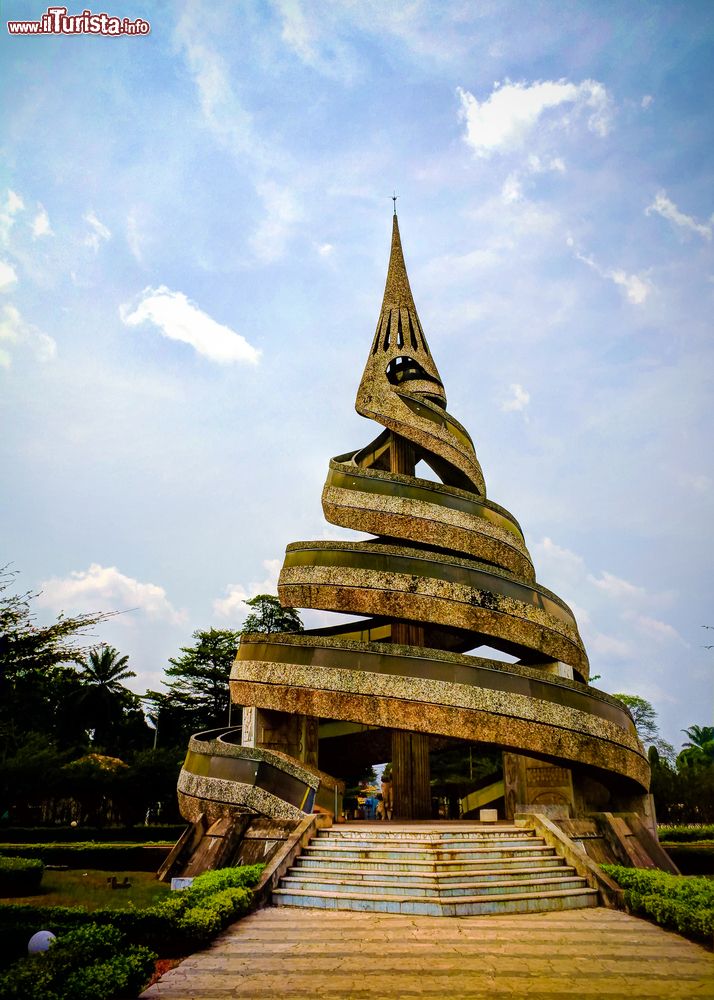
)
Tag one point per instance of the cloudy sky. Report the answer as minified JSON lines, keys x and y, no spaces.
{"x":194,"y":231}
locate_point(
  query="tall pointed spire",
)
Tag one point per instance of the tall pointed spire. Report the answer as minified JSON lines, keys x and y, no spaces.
{"x":397,"y":290}
{"x":399,"y":337}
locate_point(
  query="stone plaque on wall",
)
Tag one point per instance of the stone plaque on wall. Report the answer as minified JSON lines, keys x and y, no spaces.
{"x":534,"y":786}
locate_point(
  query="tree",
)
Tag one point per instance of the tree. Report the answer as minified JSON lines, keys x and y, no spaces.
{"x":108,"y":708}
{"x":197,"y":697}
{"x":269,"y":615}
{"x":197,"y":681}
{"x":644,"y":717}
{"x":700,"y":746}
{"x":38,"y":676}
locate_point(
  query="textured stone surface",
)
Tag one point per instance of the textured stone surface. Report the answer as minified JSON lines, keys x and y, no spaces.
{"x":428,"y":524}
{"x":448,"y":709}
{"x":595,"y":953}
{"x":426,"y":599}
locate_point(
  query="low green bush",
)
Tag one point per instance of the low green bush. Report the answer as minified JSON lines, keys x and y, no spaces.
{"x":676,"y":902}
{"x":165,"y":834}
{"x":89,"y":963}
{"x":184,"y":921}
{"x":685,"y":834}
{"x":104,"y":857}
{"x":20,"y":876}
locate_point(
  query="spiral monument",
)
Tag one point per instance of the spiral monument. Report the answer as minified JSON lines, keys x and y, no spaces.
{"x":446,"y":571}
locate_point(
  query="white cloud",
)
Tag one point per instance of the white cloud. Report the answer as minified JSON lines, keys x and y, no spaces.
{"x":663,"y":206}
{"x":104,"y":588}
{"x":698,"y":482}
{"x":233,"y":606}
{"x":646,"y":101}
{"x":133,"y":237}
{"x":542,"y":164}
{"x":325,"y":249}
{"x":298,"y":31}
{"x":609,"y":646}
{"x":616,"y":587}
{"x":99,"y":232}
{"x":519,"y":400}
{"x":636,"y":288}
{"x":504,"y":120}
{"x":654,"y":628}
{"x":12,"y":205}
{"x":223,"y":113}
{"x":41,"y":223}
{"x":8,"y":276}
{"x":567,"y":565}
{"x":14,"y":330}
{"x":512,"y":189}
{"x":282,"y":212}
{"x":180,"y":319}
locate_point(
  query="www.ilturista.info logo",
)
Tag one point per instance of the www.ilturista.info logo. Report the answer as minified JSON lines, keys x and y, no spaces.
{"x":56,"y":21}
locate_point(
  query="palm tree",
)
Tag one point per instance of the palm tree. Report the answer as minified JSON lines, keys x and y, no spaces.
{"x":699,"y":735}
{"x":103,"y":697}
{"x":700,"y":747}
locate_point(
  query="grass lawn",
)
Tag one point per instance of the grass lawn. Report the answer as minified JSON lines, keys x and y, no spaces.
{"x":76,"y":887}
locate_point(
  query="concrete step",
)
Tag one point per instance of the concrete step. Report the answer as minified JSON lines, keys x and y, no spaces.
{"x":424,"y":837}
{"x":517,"y":902}
{"x":415,"y":854}
{"x":426,"y":889}
{"x":421,"y":871}
{"x":439,"y":880}
{"x":462,"y":844}
{"x":428,"y":865}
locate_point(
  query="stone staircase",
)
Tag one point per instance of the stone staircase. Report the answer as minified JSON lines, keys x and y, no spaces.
{"x":434,"y":869}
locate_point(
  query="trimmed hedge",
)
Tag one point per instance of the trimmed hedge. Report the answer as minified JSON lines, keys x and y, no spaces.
{"x":103,"y":857}
{"x":166,"y":834}
{"x":89,"y":963}
{"x":20,"y":876}
{"x":685,"y":834}
{"x":678,"y":903}
{"x":184,"y":921}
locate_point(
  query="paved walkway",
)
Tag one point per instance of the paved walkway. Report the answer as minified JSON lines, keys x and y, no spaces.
{"x":597,"y":953}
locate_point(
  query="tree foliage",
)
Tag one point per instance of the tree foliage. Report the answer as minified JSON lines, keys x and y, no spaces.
{"x":39,"y":679}
{"x":197,"y":696}
{"x":268,"y":615}
{"x":644,"y":716}
{"x":108,"y":709}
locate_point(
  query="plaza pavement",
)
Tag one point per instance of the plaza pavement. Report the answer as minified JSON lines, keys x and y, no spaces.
{"x":304,"y":953}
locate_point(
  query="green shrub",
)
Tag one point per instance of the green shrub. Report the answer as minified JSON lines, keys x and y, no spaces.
{"x":103,"y":857}
{"x":20,"y":876}
{"x":223,"y":878}
{"x":683,"y":904}
{"x":685,"y":834}
{"x":89,"y":963}
{"x":183,"y":921}
{"x":168,"y":833}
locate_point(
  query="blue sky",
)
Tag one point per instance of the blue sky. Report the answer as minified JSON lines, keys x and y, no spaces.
{"x":194,"y":231}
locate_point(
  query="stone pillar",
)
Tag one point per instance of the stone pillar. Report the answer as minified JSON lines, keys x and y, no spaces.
{"x":411,"y":790}
{"x":532,"y":785}
{"x":295,"y":735}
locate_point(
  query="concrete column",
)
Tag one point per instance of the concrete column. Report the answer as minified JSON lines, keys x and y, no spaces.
{"x":411,"y":791}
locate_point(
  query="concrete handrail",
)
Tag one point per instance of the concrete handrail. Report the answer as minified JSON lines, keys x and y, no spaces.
{"x":610,"y":893}
{"x":285,"y":856}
